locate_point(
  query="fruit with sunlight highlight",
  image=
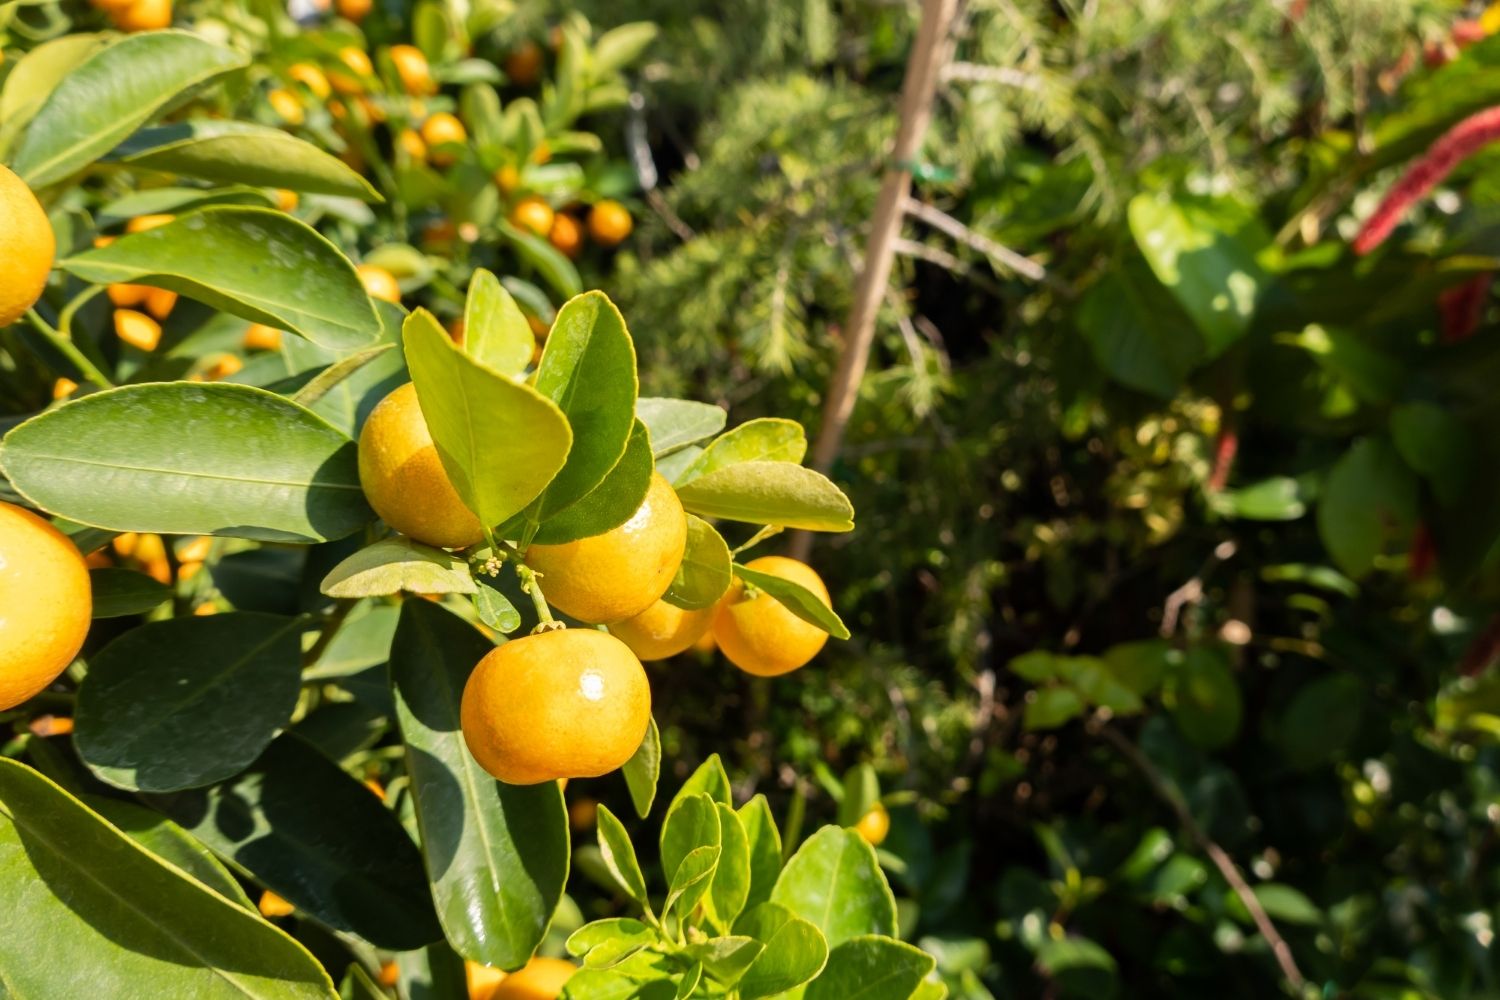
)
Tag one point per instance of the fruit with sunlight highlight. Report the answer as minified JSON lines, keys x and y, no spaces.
{"x":609,"y":223}
{"x":874,"y":825}
{"x":568,"y":703}
{"x":533,"y":215}
{"x":404,"y":479}
{"x":759,"y":634}
{"x":663,"y":630}
{"x":379,"y":283}
{"x":541,"y":979}
{"x":45,"y":604}
{"x":619,"y":574}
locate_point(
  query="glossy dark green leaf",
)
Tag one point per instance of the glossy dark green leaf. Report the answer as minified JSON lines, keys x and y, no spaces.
{"x":1203,"y":697}
{"x":612,"y":502}
{"x":769,"y":493}
{"x":496,"y":333}
{"x":764,"y":841}
{"x":193,"y":459}
{"x":287,"y":821}
{"x":476,"y":415}
{"x":336,"y":374}
{"x":1136,"y":333}
{"x":109,"y":95}
{"x":120,"y":592}
{"x":189,"y":701}
{"x":1368,"y":506}
{"x":619,"y":856}
{"x":768,"y":439}
{"x":643,"y":770}
{"x":835,"y":882}
{"x":1438,"y":445}
{"x":85,"y":911}
{"x":588,"y":370}
{"x":706,"y":570}
{"x":36,"y":74}
{"x":170,"y":842}
{"x":393,"y":565}
{"x":496,"y":854}
{"x":795,"y":951}
{"x":798,"y":600}
{"x":871,"y":968}
{"x":677,"y":423}
{"x":230,"y":152}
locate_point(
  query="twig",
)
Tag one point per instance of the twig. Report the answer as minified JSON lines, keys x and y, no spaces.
{"x":1004,"y":75}
{"x":945,"y":260}
{"x":68,"y":349}
{"x":1221,"y":859}
{"x":331,"y":626}
{"x":1192,"y":591}
{"x":645,"y":167}
{"x":1007,"y":258}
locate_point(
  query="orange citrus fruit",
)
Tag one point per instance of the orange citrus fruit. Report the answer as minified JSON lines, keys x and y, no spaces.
{"x":566,"y":234}
{"x":609,"y":223}
{"x":507,"y":179}
{"x":444,"y":129}
{"x":144,"y":15}
{"x":524,"y":64}
{"x":137,"y":329}
{"x":45,"y":604}
{"x":160,"y":303}
{"x":355,"y":10}
{"x":759,"y":634}
{"x":410,"y":143}
{"x":287,"y":105}
{"x":481,"y":980}
{"x":874,"y":825}
{"x":272,"y":905}
{"x":570,"y":703}
{"x":533,"y":215}
{"x":125,"y":296}
{"x":144,"y":223}
{"x":27,"y":246}
{"x":663,"y":630}
{"x":260,"y":337}
{"x":379,"y":283}
{"x":311,"y":77}
{"x":617,"y":575}
{"x":404,"y":479}
{"x":411,"y":67}
{"x":541,"y":979}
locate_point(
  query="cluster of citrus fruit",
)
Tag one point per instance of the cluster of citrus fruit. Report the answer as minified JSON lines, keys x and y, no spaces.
{"x":608,"y":222}
{"x":564,"y":703}
{"x":137,"y":15}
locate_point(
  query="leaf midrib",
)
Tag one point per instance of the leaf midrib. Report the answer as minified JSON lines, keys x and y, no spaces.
{"x":189,"y":473}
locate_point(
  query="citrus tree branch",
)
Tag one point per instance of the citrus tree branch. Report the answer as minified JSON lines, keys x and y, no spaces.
{"x":68,"y":349}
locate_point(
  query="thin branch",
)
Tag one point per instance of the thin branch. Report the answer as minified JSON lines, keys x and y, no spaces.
{"x":1004,"y":75}
{"x":942,"y":258}
{"x":1007,"y":258}
{"x":1221,"y":859}
{"x":68,"y":349}
{"x":1192,"y":591}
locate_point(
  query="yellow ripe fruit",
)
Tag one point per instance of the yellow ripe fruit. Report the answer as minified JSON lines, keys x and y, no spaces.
{"x":609,"y":223}
{"x":442,"y":129}
{"x":411,"y":67}
{"x":619,"y":574}
{"x":195,"y":549}
{"x":532,"y":214}
{"x":143,"y":223}
{"x":404,"y":479}
{"x":287,"y":200}
{"x":27,"y":246}
{"x":379,"y":283}
{"x":760,"y":635}
{"x":507,"y":179}
{"x":571,"y":703}
{"x":524,"y":64}
{"x":663,"y":630}
{"x":287,"y":105}
{"x":160,"y":302}
{"x":125,"y":296}
{"x":111,"y":5}
{"x":311,"y":77}
{"x":144,"y":15}
{"x":481,"y":980}
{"x":541,"y":979}
{"x":262,"y":338}
{"x":566,"y":234}
{"x":355,"y":10}
{"x":45,"y":604}
{"x":390,"y":974}
{"x":63,"y":388}
{"x":542,"y":153}
{"x":412,"y":145}
{"x":582,"y":814}
{"x":874,"y":825}
{"x":272,"y":905}
{"x":224,"y":367}
{"x":137,"y":329}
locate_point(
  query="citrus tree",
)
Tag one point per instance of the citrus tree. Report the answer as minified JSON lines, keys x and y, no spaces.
{"x":238,"y":482}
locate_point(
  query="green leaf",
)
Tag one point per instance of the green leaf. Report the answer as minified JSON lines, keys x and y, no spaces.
{"x":1052,"y":707}
{"x":556,"y":269}
{"x":1369,"y":503}
{"x":496,"y":333}
{"x":109,"y":95}
{"x":706,"y":570}
{"x":612,"y":502}
{"x":643,"y":770}
{"x":768,"y":439}
{"x":619,"y":856}
{"x":606,"y":943}
{"x":1080,"y":967}
{"x":674,"y":465}
{"x":688,"y":984}
{"x":1282,"y":903}
{"x":709,"y":779}
{"x":861,"y":793}
{"x":256,"y":263}
{"x":288,"y":820}
{"x":1091,"y":677}
{"x":1278,"y":498}
{"x":338,"y":373}
{"x":1321,"y":721}
{"x":496,"y":854}
{"x":188,"y":701}
{"x":1141,"y":665}
{"x":393,"y":565}
{"x":36,"y":74}
{"x":90,"y":912}
{"x":120,"y":592}
{"x":871,"y":968}
{"x":1203,"y":698}
{"x":1204,"y":251}
{"x":795,"y":951}
{"x":726,"y":957}
{"x":731,"y":885}
{"x":357,"y":985}
{"x":691,"y":827}
{"x":764,"y":840}
{"x":476,"y":416}
{"x":621,"y":46}
{"x":494,"y":608}
{"x":677,"y":423}
{"x":769,"y":493}
{"x":170,"y":842}
{"x":1438,"y":445}
{"x":230,"y":152}
{"x":835,"y":882}
{"x":798,"y":600}
{"x":192,"y":459}
{"x":1136,"y":333}
{"x":588,"y":370}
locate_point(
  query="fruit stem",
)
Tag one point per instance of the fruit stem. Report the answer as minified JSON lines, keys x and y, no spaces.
{"x":69,"y":350}
{"x":531,"y":584}
{"x":65,"y":318}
